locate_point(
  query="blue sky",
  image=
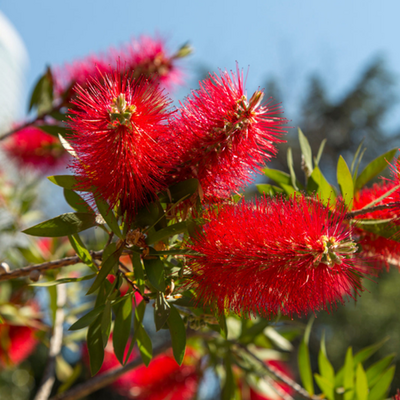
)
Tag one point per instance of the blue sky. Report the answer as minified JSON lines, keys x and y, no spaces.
{"x":287,"y":39}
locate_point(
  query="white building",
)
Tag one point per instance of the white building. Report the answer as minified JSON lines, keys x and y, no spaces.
{"x":13,"y":64}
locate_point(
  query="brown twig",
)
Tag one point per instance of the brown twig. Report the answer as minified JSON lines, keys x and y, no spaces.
{"x":388,"y":206}
{"x":55,"y":346}
{"x":134,"y":287}
{"x":40,"y":268}
{"x":106,"y":378}
{"x":278,"y":374}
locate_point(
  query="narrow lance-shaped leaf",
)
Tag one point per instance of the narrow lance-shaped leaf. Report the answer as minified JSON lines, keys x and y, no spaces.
{"x":374,"y":168}
{"x":82,"y":251}
{"x":348,"y":377}
{"x":106,"y":267}
{"x":95,"y":345}
{"x":381,"y":387}
{"x":108,"y":216}
{"x":76,"y":201}
{"x":307,"y":153}
{"x":122,"y":328}
{"x":304,"y":361}
{"x":178,"y":334}
{"x":326,"y":386}
{"x":155,"y":273}
{"x":161,"y":311}
{"x":361,"y":383}
{"x":63,"y":225}
{"x":375,"y":370}
{"x":291,"y":168}
{"x":345,"y":181}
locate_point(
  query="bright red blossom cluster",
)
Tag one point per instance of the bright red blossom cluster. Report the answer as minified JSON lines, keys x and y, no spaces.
{"x":162,"y":379}
{"x":384,"y":251}
{"x":224,"y":137}
{"x":144,"y":57}
{"x":289,"y":255}
{"x":30,"y":147}
{"x":119,"y":129}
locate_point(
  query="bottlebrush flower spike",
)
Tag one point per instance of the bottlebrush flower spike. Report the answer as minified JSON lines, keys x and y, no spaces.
{"x":18,"y":343}
{"x":290,"y":255}
{"x":118,"y":130}
{"x":383,"y":251}
{"x":145,"y":57}
{"x":163,"y":379}
{"x":32,"y":148}
{"x":223,"y":136}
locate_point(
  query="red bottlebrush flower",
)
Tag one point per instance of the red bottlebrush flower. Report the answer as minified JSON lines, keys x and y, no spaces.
{"x":32,"y":148}
{"x":162,"y":379}
{"x":223,"y":136}
{"x":383,"y":251}
{"x":290,"y":255}
{"x":397,"y":395}
{"x":149,"y":57}
{"x":146,"y":57}
{"x":119,"y":128}
{"x":17,"y":343}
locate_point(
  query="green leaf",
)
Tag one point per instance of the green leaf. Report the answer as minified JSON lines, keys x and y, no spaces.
{"x":348,"y":378}
{"x":178,"y":334}
{"x":378,"y":392}
{"x":138,"y":271}
{"x":179,"y":191}
{"x":65,"y":181}
{"x":304,"y":360}
{"x":228,"y":389}
{"x":307,"y":153}
{"x":82,"y":252}
{"x":374,"y":168}
{"x":167,"y":232}
{"x":106,"y":322}
{"x":63,"y":225}
{"x":63,"y":280}
{"x":142,"y":338}
{"x":106,"y":267}
{"x":76,"y":201}
{"x":95,"y":345}
{"x":268,"y":189}
{"x":87,"y":319}
{"x":108,"y":216}
{"x":54,"y":130}
{"x":384,"y":228}
{"x":155,"y":273}
{"x":367,"y":352}
{"x":375,"y":370}
{"x":280,"y":177}
{"x":361,"y":383}
{"x":222,"y":324}
{"x":291,"y":168}
{"x":161,"y":311}
{"x":122,"y":328}
{"x":42,"y":94}
{"x":320,"y":186}
{"x":345,"y":182}
{"x":320,"y":150}
{"x":353,"y":163}
{"x":325,"y":367}
{"x":326,"y":386}
{"x":148,"y":215}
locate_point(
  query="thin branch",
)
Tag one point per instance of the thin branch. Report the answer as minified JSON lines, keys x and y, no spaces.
{"x":134,"y":287}
{"x":366,"y":210}
{"x":63,"y":262}
{"x":30,"y":123}
{"x":106,"y":378}
{"x":278,"y":374}
{"x":55,"y":346}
